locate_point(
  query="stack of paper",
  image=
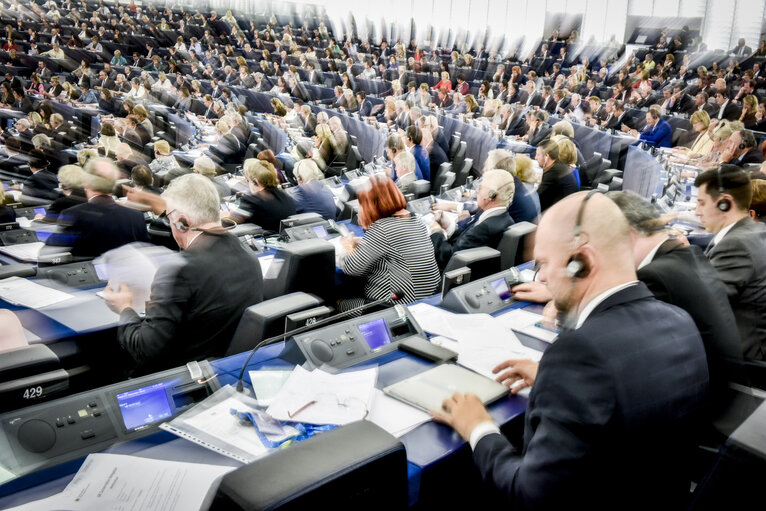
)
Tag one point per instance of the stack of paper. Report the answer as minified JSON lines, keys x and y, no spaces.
{"x":30,"y":294}
{"x":481,"y":341}
{"x":527,"y":323}
{"x":395,"y":416}
{"x":28,"y":252}
{"x":113,"y":482}
{"x":317,"y":397}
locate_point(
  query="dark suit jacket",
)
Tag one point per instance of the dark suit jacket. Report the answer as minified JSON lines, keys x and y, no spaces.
{"x":557,"y":183}
{"x":97,"y":226}
{"x":41,"y":184}
{"x":608,"y":420}
{"x":268,"y":208}
{"x":740,"y":261}
{"x":682,"y":276}
{"x":540,"y":135}
{"x":486,"y":234}
{"x":195,"y":305}
{"x":730,"y":112}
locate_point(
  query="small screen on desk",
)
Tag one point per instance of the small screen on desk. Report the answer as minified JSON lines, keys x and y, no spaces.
{"x":6,"y":186}
{"x":375,"y":334}
{"x":501,"y":288}
{"x":144,"y":406}
{"x":43,"y":235}
{"x":320,"y":231}
{"x":39,"y":211}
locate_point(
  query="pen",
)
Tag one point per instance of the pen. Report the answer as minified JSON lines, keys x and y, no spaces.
{"x":542,"y":325}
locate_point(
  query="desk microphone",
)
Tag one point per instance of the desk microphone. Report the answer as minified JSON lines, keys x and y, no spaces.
{"x":396,"y":295}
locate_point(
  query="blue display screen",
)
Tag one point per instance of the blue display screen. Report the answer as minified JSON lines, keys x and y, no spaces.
{"x":320,"y":231}
{"x":39,"y":211}
{"x":43,"y":235}
{"x":375,"y":334}
{"x":501,"y":288}
{"x":144,"y":406}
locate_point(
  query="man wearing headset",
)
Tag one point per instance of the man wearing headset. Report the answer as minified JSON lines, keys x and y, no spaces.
{"x":742,"y":149}
{"x":738,"y":250}
{"x":487,"y":225}
{"x":196,"y":300}
{"x":613,"y":399}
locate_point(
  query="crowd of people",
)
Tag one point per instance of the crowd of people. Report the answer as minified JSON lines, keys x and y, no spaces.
{"x":631,"y":381}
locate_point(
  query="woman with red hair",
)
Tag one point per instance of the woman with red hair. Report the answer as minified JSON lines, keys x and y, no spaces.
{"x":396,"y":254}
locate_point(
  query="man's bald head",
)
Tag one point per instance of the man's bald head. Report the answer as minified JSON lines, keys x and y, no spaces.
{"x":602,"y":247}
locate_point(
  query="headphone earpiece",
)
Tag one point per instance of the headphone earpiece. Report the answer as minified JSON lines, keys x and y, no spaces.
{"x":182,"y":225}
{"x":724,"y":205}
{"x":742,"y":146}
{"x":492,"y":194}
{"x":577,"y":267}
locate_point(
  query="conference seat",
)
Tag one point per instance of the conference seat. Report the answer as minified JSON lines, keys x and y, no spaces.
{"x":454,"y":144}
{"x":437,"y":177}
{"x":422,"y":187}
{"x":516,"y":239}
{"x":446,"y":180}
{"x":463,"y":171}
{"x":589,"y":170}
{"x":267,"y":319}
{"x":459,"y":158}
{"x":482,"y":261}
{"x":306,"y":265}
{"x":735,"y":478}
{"x":356,"y":466}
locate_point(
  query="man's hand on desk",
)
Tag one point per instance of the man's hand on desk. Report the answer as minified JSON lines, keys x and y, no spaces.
{"x":463,"y":412}
{"x":532,"y":292}
{"x":524,"y":371}
{"x":118,"y":298}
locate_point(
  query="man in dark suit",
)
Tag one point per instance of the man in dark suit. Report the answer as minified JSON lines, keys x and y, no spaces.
{"x":558,"y":180}
{"x":549,"y":102}
{"x":534,"y":98}
{"x":681,"y":275}
{"x":365,"y":106}
{"x":741,"y":50}
{"x":309,"y":120}
{"x":611,"y":415}
{"x":195,"y":307}
{"x":539,"y":129}
{"x":741,"y":149}
{"x":21,"y":101}
{"x":42,"y":183}
{"x":727,"y":109}
{"x":100,"y":224}
{"x":315,"y":76}
{"x":104,"y":82}
{"x":738,"y":250}
{"x":485,"y":228}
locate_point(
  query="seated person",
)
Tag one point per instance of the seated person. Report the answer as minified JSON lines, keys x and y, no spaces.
{"x":42,"y":183}
{"x":7,"y":213}
{"x":227,"y":148}
{"x":164,"y":165}
{"x":266,"y":204}
{"x":657,"y":132}
{"x":206,"y":167}
{"x":70,"y":179}
{"x":394,"y":254}
{"x":612,"y":414}
{"x":485,"y":227}
{"x":405,"y":172}
{"x":100,"y":224}
{"x":311,"y":195}
{"x":412,"y":140}
{"x":738,"y":250}
{"x":195,"y":306}
{"x":141,"y":177}
{"x":558,"y":179}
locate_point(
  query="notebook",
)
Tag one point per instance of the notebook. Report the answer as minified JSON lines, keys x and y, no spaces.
{"x":429,"y":389}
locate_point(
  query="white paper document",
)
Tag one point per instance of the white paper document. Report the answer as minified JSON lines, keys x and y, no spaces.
{"x":527,"y":323}
{"x":395,"y":416}
{"x":434,"y":320}
{"x":317,"y":397}
{"x":24,"y":251}
{"x":30,"y":294}
{"x":113,"y":482}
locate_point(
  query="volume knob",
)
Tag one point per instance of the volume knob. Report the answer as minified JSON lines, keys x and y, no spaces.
{"x":321,"y":350}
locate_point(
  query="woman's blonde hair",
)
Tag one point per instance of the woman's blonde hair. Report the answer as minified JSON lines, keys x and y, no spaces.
{"x":261,"y":172}
{"x":524,"y":169}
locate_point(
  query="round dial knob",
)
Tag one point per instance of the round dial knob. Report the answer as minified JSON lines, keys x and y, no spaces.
{"x":321,"y":350}
{"x":37,"y":436}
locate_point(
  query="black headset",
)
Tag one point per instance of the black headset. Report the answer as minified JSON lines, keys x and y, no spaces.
{"x":577,"y":267}
{"x":183,"y":226}
{"x":492,"y":194}
{"x":723,"y":204}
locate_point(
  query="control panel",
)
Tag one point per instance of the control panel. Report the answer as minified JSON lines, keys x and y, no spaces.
{"x":360,"y":339}
{"x":71,"y":427}
{"x":321,"y":230}
{"x":486,"y":295}
{"x":77,"y":275}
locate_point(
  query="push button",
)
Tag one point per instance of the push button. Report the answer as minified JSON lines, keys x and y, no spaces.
{"x":59,"y":423}
{"x":88,"y":433}
{"x":70,"y":420}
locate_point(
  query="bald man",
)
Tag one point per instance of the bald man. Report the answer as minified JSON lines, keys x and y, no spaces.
{"x":614,"y":399}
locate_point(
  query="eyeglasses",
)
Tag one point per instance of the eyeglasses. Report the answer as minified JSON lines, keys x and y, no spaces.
{"x":352,"y":406}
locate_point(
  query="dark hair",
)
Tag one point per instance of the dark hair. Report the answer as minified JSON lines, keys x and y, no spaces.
{"x":107,"y":129}
{"x":141,"y":175}
{"x":728,"y":179}
{"x":381,"y":200}
{"x":267,"y":155}
{"x":414,"y":135}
